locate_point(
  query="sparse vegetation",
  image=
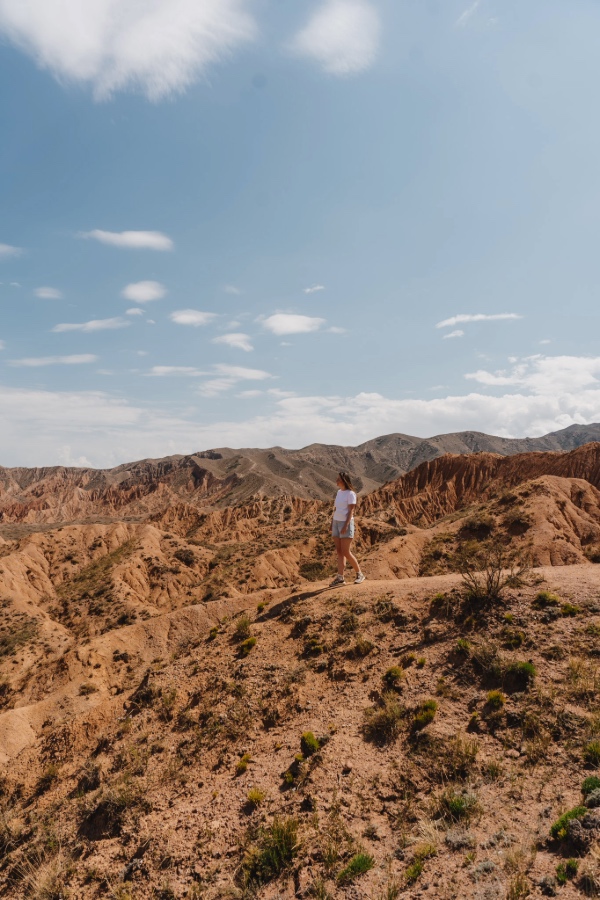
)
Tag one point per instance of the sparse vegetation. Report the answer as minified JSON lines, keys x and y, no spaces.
{"x":358,"y":865}
{"x":495,"y":700}
{"x":382,"y":723}
{"x":255,"y":797}
{"x":394,"y":676}
{"x":242,"y":764}
{"x":559,"y":829}
{"x":247,"y":645}
{"x":242,"y":628}
{"x":488,"y":569}
{"x":425,"y":714}
{"x":591,"y":753}
{"x":309,"y":744}
{"x":274,"y":850}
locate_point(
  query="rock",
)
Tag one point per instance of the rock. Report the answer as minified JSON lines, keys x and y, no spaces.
{"x":582,"y":833}
{"x":592,"y":801}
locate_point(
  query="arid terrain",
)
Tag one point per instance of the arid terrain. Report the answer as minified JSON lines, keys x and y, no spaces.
{"x":187,"y":710}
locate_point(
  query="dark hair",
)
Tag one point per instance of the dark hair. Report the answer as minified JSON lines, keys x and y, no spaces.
{"x":347,"y":480}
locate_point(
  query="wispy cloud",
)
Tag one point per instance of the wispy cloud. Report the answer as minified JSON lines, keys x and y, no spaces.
{"x":235,"y":339}
{"x":48,"y":293}
{"x":192,"y":317}
{"x":228,"y":376}
{"x":453,"y":334}
{"x":7,"y":251}
{"x":2,"y":345}
{"x":342,"y":37}
{"x":314,"y":289}
{"x":35,"y":361}
{"x":468,"y":13}
{"x":93,"y":325}
{"x":476,"y":317}
{"x":289,"y":323}
{"x":134,"y":311}
{"x":159,"y":48}
{"x":187,"y":371}
{"x":144,"y":291}
{"x":132,"y":240}
{"x":231,"y":289}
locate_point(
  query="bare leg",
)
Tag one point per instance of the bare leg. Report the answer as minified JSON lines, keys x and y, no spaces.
{"x":341,"y":562}
{"x":346,"y":543}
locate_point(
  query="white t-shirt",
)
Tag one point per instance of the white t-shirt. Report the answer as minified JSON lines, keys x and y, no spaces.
{"x":343,"y":500}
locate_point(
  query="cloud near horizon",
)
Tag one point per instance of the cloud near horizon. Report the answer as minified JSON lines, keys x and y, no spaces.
{"x":130,"y":240}
{"x":47,"y":427}
{"x":35,"y":361}
{"x":158,"y":48}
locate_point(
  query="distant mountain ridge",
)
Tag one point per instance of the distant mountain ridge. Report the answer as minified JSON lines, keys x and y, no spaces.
{"x":225,"y":477}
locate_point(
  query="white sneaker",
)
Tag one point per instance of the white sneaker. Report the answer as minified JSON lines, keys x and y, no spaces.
{"x":360,"y":578}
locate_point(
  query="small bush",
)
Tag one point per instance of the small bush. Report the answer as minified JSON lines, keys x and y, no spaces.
{"x":393,"y":676}
{"x":488,"y":569}
{"x":512,"y":638}
{"x":213,"y":633}
{"x":591,"y":753}
{"x":592,"y":783}
{"x":242,"y":764}
{"x":247,"y":645}
{"x":560,"y":828}
{"x":568,"y":609}
{"x":520,"y":674}
{"x":421,"y":662}
{"x":382,"y":723}
{"x":276,"y":848}
{"x":185,"y":556}
{"x":463,"y":646}
{"x":255,"y":797}
{"x":546,"y":598}
{"x":458,"y":805}
{"x":242,"y":628}
{"x":309,"y":744}
{"x":425,"y":714}
{"x":414,"y":871}
{"x":358,"y":865}
{"x":495,"y":700}
{"x":87,"y":688}
{"x":46,"y":779}
{"x":566,"y":871}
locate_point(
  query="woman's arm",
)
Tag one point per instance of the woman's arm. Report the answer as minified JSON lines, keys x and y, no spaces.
{"x":349,"y":514}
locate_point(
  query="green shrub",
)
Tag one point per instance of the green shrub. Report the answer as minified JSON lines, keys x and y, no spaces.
{"x":568,"y":609}
{"x":382,"y":723}
{"x":458,"y":805}
{"x":414,"y":871}
{"x":495,"y":700}
{"x":488,"y":569}
{"x":592,"y":783}
{"x":255,"y":797}
{"x":242,"y":628}
{"x":276,"y":848}
{"x":463,"y":645}
{"x":213,"y":633}
{"x":425,"y":714}
{"x":520,"y":674}
{"x":591,"y":753}
{"x":566,"y":870}
{"x":242,"y":765}
{"x":393,"y":676}
{"x":247,"y":645}
{"x":559,"y":829}
{"x":309,"y":744}
{"x":546,"y":598}
{"x":421,"y":662}
{"x":358,"y":865}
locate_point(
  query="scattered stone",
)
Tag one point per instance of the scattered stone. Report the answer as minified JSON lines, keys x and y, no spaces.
{"x":548,"y":885}
{"x":582,"y":833}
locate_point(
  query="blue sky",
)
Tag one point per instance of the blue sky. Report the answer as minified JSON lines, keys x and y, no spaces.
{"x":244,"y":223}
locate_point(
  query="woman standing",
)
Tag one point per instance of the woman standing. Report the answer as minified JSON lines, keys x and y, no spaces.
{"x":342,"y":529}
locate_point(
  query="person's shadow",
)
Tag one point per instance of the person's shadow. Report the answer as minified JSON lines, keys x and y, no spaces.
{"x":274,"y":611}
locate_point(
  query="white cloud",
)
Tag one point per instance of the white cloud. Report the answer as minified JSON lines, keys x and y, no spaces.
{"x":453,"y":334}
{"x":40,"y":427}
{"x":2,"y":345}
{"x":15,"y":284}
{"x":545,"y":374}
{"x":335,"y":329}
{"x":342,"y":37}
{"x":468,"y":13}
{"x":158,"y":47}
{"x":93,"y":325}
{"x":35,"y":361}
{"x":6,"y":251}
{"x":231,"y":289}
{"x":192,"y":317}
{"x":189,"y":371}
{"x":477,"y":317}
{"x":134,"y":240}
{"x":48,"y":293}
{"x":314,"y":289}
{"x":135,"y":311}
{"x":144,"y":291}
{"x":240,"y":373}
{"x":288,"y":323}
{"x":235,"y":339}
{"x":546,"y":341}
{"x":246,"y":394}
